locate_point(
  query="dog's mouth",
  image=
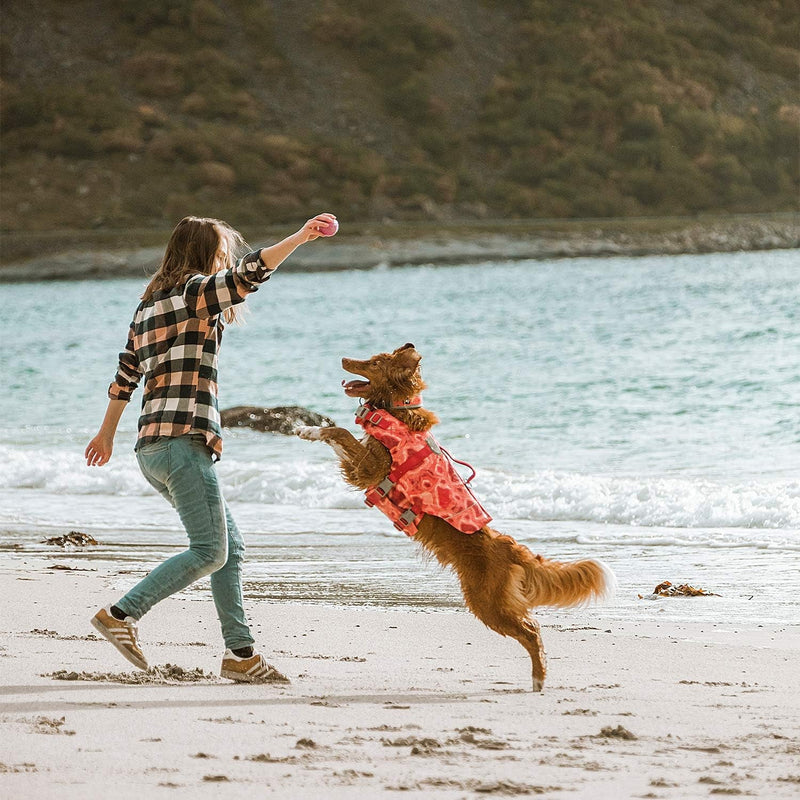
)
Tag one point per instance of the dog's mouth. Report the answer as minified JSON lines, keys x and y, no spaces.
{"x":356,"y":388}
{"x":359,"y":387}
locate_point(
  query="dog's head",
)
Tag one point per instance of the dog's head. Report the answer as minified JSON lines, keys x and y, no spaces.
{"x":388,"y":378}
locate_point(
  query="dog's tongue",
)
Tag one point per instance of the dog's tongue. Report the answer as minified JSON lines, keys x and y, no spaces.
{"x":351,"y":387}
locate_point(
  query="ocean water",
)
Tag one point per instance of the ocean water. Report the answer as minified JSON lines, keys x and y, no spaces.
{"x":643,"y":411}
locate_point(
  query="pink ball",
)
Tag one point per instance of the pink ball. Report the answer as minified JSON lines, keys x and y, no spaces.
{"x":330,"y":229}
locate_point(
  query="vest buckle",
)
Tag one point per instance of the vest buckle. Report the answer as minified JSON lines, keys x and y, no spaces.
{"x":434,"y":445}
{"x":384,"y":487}
{"x":406,"y":518}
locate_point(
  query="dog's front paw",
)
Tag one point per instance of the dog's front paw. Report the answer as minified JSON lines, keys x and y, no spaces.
{"x":309,"y":432}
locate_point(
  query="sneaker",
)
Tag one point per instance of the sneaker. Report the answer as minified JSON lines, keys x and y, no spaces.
{"x":123,"y":634}
{"x":250,"y":670}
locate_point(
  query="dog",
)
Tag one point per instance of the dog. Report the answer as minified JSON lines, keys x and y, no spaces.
{"x":501,"y":580}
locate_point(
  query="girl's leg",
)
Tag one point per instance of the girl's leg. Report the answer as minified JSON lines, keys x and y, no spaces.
{"x":182,"y":470}
{"x":226,"y":587}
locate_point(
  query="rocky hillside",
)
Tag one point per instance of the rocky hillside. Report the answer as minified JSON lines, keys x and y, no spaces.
{"x":134,"y":114}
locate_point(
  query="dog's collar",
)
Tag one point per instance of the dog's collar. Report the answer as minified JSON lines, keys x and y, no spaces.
{"x":409,"y":402}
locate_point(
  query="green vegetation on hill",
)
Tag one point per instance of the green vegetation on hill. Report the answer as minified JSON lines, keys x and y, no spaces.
{"x":138,"y":113}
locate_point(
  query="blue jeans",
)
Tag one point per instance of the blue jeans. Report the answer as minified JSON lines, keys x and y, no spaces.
{"x":182,"y":470}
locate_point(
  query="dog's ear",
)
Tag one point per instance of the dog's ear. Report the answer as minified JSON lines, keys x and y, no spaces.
{"x":407,"y":356}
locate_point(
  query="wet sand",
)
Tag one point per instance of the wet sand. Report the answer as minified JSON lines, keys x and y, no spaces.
{"x":385,"y":703}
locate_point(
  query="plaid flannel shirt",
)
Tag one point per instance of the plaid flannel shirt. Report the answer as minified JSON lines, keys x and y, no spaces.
{"x":173,"y":342}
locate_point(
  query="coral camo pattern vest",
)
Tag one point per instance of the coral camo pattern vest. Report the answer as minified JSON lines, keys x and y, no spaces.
{"x":422,"y":479}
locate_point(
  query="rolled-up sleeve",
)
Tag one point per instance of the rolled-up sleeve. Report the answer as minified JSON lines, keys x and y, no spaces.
{"x":129,"y":372}
{"x":209,"y":295}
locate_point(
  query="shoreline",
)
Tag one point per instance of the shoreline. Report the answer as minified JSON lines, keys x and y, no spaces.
{"x":84,"y":255}
{"x":427,"y":704}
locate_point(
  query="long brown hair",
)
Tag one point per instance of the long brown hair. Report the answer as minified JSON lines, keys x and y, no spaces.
{"x":192,"y":248}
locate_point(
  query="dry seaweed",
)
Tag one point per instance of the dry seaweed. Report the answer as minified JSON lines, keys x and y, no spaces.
{"x":74,"y":538}
{"x":667,"y":589}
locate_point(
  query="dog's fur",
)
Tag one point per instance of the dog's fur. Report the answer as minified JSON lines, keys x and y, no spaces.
{"x":501,"y":580}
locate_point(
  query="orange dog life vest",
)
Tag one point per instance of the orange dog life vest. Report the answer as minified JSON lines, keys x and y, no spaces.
{"x":421,"y":481}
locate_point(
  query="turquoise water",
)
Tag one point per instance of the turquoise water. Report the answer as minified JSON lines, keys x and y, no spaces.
{"x":641,"y":410}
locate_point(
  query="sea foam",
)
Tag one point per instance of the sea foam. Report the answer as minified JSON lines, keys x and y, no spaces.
{"x":644,"y":501}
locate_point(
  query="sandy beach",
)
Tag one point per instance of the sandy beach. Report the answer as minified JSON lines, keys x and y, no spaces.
{"x":385,"y":703}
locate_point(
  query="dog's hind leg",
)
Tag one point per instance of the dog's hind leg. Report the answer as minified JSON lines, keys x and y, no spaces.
{"x":506,"y":609}
{"x":518,"y":625}
{"x":491,"y":582}
{"x":530,"y":637}
{"x":527,"y":632}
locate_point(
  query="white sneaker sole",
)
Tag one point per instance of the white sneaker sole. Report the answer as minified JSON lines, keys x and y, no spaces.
{"x":105,"y":632}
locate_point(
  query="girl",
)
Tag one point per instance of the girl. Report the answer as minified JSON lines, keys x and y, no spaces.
{"x":172,"y":345}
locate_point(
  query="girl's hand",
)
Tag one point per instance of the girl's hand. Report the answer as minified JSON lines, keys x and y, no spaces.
{"x":311,"y":230}
{"x":99,"y":450}
{"x":272,"y":257}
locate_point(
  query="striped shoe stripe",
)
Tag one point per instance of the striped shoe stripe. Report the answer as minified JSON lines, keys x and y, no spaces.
{"x":123,"y":636}
{"x":255,"y":669}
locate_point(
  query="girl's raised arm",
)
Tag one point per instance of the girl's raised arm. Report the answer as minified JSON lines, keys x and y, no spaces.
{"x":209,"y":295}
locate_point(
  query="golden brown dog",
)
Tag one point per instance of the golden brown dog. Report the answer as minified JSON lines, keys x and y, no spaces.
{"x":501,"y":580}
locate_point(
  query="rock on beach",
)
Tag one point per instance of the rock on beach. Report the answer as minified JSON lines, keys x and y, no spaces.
{"x":278,"y":419}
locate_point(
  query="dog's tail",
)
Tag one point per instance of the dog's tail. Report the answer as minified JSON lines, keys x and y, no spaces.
{"x":562,"y":585}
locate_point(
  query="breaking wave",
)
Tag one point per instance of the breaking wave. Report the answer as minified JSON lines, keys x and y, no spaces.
{"x":647,"y":501}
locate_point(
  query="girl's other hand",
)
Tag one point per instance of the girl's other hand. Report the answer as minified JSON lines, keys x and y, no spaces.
{"x":311,"y":230}
{"x":99,"y":450}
